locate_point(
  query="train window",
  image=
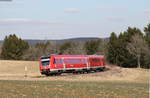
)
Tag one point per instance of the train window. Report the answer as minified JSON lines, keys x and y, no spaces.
{"x":45,"y":61}
{"x":45,"y":57}
{"x":58,"y":61}
{"x":73,"y":61}
{"x":84,"y":61}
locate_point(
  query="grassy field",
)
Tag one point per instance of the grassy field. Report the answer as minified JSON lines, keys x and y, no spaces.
{"x":115,"y":82}
{"x":63,"y":89}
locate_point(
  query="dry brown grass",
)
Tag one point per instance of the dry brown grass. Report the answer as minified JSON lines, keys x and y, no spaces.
{"x":10,"y":67}
{"x":115,"y":82}
{"x":15,"y":70}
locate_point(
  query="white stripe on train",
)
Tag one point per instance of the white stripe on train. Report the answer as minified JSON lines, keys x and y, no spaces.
{"x":75,"y":68}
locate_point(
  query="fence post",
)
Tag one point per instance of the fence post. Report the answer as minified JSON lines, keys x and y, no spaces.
{"x":26,"y":69}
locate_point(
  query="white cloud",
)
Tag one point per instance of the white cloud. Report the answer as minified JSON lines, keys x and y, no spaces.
{"x":72,"y":10}
{"x":15,"y":20}
{"x":110,"y":8}
{"x":12,"y":3}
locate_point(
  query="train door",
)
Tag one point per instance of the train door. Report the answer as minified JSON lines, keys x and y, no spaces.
{"x":58,"y":63}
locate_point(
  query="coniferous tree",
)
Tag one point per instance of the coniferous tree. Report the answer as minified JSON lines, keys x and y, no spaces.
{"x":126,"y":59}
{"x":13,"y":47}
{"x":147,"y":31}
{"x":146,"y":61}
{"x":111,"y":48}
{"x":92,"y":46}
{"x":117,"y":48}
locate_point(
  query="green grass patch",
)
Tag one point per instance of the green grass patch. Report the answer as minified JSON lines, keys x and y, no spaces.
{"x":66,"y":89}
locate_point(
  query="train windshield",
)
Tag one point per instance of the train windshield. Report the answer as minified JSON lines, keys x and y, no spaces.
{"x":45,"y":61}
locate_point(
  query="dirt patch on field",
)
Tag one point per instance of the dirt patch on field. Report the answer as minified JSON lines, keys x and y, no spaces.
{"x":15,"y":70}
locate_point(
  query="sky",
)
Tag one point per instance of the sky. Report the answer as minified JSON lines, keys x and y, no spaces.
{"x":62,"y":19}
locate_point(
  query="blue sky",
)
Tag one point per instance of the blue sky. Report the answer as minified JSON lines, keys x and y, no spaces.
{"x":61,"y":19}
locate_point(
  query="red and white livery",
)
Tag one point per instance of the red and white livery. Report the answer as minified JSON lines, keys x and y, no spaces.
{"x":57,"y":64}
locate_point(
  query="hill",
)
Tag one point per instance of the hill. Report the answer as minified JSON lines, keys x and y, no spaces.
{"x":61,"y":41}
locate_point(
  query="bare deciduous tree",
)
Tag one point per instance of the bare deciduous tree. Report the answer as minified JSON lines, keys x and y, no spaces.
{"x":0,"y":50}
{"x":76,"y":49}
{"x":52,"y":48}
{"x":137,"y":47}
{"x":147,"y":29}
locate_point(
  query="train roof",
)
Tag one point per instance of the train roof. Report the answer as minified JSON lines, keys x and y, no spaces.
{"x":77,"y":55}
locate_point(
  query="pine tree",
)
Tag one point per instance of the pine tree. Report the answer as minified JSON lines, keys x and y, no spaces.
{"x":112,"y":49}
{"x":13,"y":47}
{"x":92,"y":46}
{"x":146,"y":61}
{"x":117,"y":48}
{"x":126,"y":59}
{"x":147,"y":31}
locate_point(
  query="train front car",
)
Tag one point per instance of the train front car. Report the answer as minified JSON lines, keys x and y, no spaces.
{"x":45,"y":65}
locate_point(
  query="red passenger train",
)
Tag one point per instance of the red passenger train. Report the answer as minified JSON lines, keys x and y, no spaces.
{"x":57,"y":64}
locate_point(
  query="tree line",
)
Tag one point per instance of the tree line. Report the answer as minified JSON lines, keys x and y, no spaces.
{"x":20,"y":50}
{"x":130,"y":48}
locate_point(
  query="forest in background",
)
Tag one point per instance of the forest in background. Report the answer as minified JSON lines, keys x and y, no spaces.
{"x":130,"y":48}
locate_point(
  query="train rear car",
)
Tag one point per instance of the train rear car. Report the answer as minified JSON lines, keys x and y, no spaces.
{"x":96,"y":62}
